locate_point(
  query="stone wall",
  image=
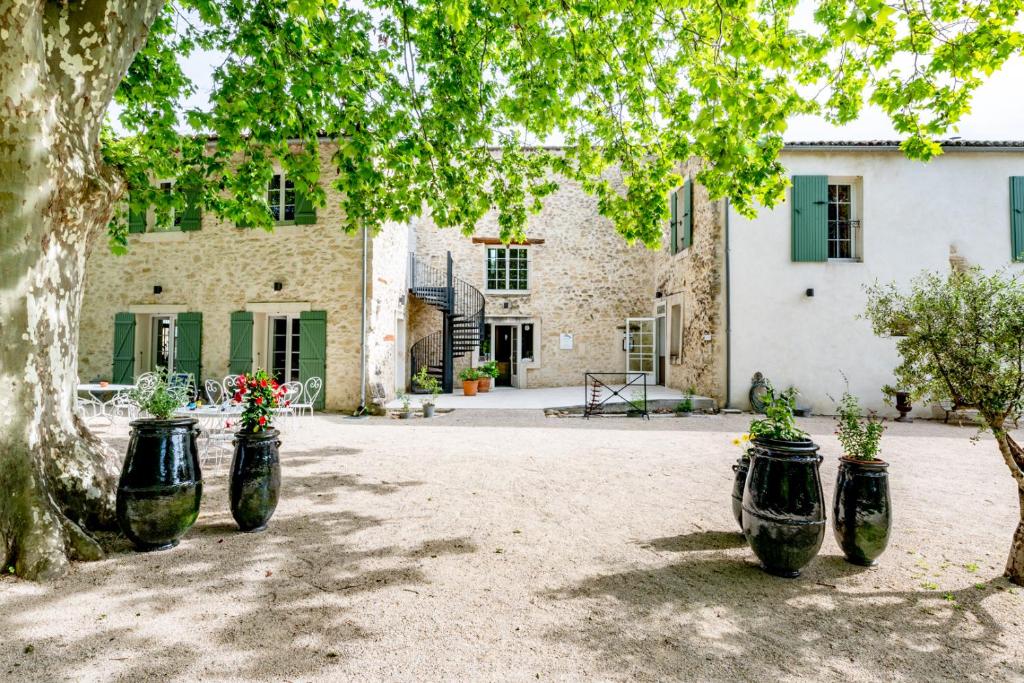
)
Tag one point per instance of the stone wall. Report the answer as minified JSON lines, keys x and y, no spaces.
{"x":386,"y":329}
{"x":221,"y":269}
{"x":693,"y":280}
{"x":584,"y":280}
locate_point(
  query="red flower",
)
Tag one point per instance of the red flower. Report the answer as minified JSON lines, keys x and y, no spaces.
{"x":227,"y":424}
{"x":259,"y":400}
{"x":273,"y":384}
{"x":287,"y":403}
{"x":238,"y":397}
{"x":263,"y":383}
{"x":263,"y":420}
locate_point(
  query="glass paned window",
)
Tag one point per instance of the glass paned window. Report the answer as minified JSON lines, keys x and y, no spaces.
{"x":167,"y":187}
{"x":841,"y":224}
{"x":526,"y":342}
{"x":508,"y":269}
{"x":284,"y":348}
{"x":281,"y":198}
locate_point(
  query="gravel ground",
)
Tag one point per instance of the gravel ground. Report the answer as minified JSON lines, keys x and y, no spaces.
{"x":510,"y":546}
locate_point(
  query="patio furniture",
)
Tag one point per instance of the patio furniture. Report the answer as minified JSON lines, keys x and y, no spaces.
{"x":183,"y":381}
{"x":230,"y":384}
{"x":214,"y":391}
{"x":310,"y":393}
{"x":100,"y":401}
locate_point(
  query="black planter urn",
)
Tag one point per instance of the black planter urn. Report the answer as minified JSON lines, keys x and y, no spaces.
{"x":783,"y":505}
{"x":255,"y":480}
{"x":862,"y":511}
{"x":161,"y":484}
{"x":741,"y":468}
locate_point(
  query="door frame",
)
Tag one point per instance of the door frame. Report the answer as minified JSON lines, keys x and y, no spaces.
{"x":629,"y":345}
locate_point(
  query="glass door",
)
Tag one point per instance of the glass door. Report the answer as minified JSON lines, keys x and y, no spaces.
{"x":514,"y":329}
{"x":164,"y":336}
{"x":640,"y":346}
{"x":284,"y":348}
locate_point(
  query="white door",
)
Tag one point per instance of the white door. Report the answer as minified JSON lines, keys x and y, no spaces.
{"x":640,"y":347}
{"x":514,"y":363}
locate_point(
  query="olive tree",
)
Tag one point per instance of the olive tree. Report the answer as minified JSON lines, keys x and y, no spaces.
{"x":962,"y":340}
{"x":431,"y":103}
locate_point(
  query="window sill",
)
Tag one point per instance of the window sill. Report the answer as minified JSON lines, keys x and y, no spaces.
{"x":507,"y":292}
{"x":845,"y":260}
{"x":163,"y":236}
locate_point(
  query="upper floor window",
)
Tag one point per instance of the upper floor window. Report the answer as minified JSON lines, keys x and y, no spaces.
{"x":508,"y":269}
{"x":843,"y":226}
{"x":174,"y":223}
{"x":281,"y":198}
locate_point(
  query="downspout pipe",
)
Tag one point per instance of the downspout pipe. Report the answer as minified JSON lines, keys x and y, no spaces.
{"x":362,"y":334}
{"x":728,"y":315}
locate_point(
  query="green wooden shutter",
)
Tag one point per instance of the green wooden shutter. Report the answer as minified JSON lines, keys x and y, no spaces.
{"x":305,"y":212}
{"x":313,"y":350}
{"x":1017,"y":217}
{"x":687,"y":214}
{"x":124,"y":349}
{"x":240,"y":358}
{"x":136,"y":219}
{"x":189,"y":346}
{"x":674,"y":223}
{"x":809,"y":218}
{"x":192,"y":216}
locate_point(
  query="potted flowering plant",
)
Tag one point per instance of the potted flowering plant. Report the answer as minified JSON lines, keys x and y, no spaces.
{"x":488,"y":371}
{"x":255,"y":468}
{"x":427,"y":382}
{"x":161,"y":484}
{"x":470,"y":381}
{"x":861,"y":509}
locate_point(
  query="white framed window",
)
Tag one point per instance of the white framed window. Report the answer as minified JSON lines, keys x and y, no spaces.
{"x":283,"y":345}
{"x":281,"y":198}
{"x":844,"y":225}
{"x":174,"y":222}
{"x":508,"y":269}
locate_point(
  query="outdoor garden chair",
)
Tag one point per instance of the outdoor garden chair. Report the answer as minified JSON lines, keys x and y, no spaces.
{"x":309,"y":395}
{"x":214,"y":392}
{"x":230,"y":384}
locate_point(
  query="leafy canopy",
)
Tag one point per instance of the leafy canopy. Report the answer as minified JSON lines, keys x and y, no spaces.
{"x":420,"y":96}
{"x":964,"y":339}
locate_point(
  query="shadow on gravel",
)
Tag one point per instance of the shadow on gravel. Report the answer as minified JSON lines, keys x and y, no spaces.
{"x":285,"y":602}
{"x":699,"y":540}
{"x":712,"y":617}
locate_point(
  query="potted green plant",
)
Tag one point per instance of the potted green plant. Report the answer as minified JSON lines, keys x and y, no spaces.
{"x":783,"y":504}
{"x":406,"y":412}
{"x":685,"y":407}
{"x":488,"y":371}
{"x":161,"y":484}
{"x":861,"y":510}
{"x":255,"y":479}
{"x":429,"y":383}
{"x":470,"y":381}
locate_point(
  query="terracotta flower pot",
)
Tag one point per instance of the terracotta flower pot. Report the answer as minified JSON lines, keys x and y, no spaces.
{"x":469,"y":386}
{"x":484,"y":384}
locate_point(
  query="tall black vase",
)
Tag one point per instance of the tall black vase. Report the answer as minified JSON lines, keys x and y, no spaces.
{"x":783,"y":505}
{"x":161,"y":484}
{"x":862,"y":511}
{"x":255,"y":479}
{"x":741,"y":468}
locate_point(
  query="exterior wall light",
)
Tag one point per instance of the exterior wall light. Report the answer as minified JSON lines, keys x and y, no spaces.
{"x":157,"y":289}
{"x":278,"y":286}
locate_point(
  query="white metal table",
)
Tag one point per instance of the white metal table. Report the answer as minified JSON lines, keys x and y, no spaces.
{"x":98,"y":389}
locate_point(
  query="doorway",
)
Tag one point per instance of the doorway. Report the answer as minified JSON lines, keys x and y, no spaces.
{"x":283,"y":348}
{"x":164,"y":339}
{"x":506,"y":354}
{"x":640,"y":351}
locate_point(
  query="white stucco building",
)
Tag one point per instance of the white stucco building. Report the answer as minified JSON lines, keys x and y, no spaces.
{"x":862,"y":213}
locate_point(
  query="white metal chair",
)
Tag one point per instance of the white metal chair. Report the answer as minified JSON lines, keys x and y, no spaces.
{"x":214,"y":392}
{"x":123,"y":405}
{"x":291,"y":397}
{"x":91,"y":408}
{"x":310,"y":393}
{"x":230,"y":385}
{"x":145,"y":383}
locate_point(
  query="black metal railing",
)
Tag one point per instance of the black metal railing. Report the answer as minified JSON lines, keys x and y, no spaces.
{"x":428,"y":352}
{"x":596,"y":384}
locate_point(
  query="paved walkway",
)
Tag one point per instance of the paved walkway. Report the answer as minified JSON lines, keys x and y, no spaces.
{"x":505,"y":398}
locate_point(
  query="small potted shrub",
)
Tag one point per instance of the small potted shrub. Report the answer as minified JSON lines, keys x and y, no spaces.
{"x":488,"y":371}
{"x":161,"y":484}
{"x":406,"y":412}
{"x":429,"y":383}
{"x":685,"y":407}
{"x":255,"y":480}
{"x":783,"y":504}
{"x":470,"y":381}
{"x":861,"y":511}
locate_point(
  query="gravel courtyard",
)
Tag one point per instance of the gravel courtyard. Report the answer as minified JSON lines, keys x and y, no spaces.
{"x":510,"y":546}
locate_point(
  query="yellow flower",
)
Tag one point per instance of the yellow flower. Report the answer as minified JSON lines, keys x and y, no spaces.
{"x":745,"y":437}
{"x":735,"y":442}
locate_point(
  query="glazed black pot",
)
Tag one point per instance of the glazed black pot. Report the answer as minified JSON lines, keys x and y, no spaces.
{"x":862,"y":511}
{"x":255,"y":480}
{"x":161,"y":484}
{"x":741,"y":468}
{"x":783,"y":505}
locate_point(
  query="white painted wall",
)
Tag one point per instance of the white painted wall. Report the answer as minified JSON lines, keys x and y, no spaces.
{"x":912,"y":214}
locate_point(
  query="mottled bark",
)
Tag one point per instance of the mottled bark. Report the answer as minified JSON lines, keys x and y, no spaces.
{"x":1013,"y":455}
{"x":59,"y":68}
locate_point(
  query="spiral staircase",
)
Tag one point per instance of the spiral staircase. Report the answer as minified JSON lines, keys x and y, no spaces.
{"x":462,"y":307}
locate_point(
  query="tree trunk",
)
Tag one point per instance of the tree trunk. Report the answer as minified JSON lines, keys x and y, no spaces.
{"x":1013,"y":455}
{"x":58,"y":71}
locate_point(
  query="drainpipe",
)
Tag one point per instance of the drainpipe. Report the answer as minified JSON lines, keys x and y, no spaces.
{"x":728,"y":316}
{"x":362,"y":337}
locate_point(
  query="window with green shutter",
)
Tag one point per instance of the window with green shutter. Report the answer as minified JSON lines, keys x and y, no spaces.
{"x":313,"y":350}
{"x":305,"y":212}
{"x":136,"y":219}
{"x":124,"y":349}
{"x":687,"y":217}
{"x":809,"y":220}
{"x":1017,"y":217}
{"x":188,"y":348}
{"x":192,"y":215}
{"x":240,"y":358}
{"x":673,"y":222}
